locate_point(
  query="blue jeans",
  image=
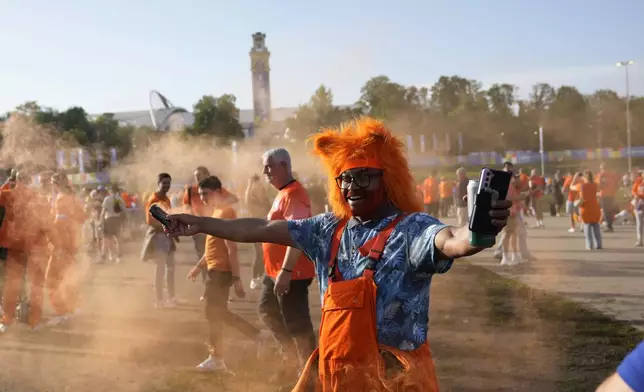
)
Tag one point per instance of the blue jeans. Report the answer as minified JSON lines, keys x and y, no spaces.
{"x":593,"y":235}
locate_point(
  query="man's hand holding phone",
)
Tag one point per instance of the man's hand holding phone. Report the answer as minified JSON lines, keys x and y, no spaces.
{"x":182,"y":225}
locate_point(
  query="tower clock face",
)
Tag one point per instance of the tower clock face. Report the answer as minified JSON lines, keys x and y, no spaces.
{"x":260,"y":65}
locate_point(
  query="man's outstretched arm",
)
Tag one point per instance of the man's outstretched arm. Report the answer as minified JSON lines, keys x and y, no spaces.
{"x":238,"y":230}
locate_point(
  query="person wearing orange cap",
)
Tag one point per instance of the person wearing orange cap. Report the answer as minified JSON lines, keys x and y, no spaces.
{"x":375,"y":257}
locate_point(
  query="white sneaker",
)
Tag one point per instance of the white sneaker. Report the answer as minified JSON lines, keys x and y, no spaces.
{"x":571,"y":230}
{"x":212,"y":364}
{"x":171,"y":303}
{"x":255,"y":283}
{"x":3,"y":328}
{"x":517,"y":259}
{"x":505,"y":259}
{"x":57,"y":320}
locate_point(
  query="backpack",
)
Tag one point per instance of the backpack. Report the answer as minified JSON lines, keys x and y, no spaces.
{"x":117,"y":206}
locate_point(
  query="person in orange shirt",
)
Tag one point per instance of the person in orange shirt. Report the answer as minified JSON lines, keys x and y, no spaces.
{"x":221,"y":261}
{"x":572,"y":196}
{"x":537,"y":185}
{"x":287,"y":315}
{"x":589,"y":209}
{"x":638,"y":198}
{"x":445,"y":191}
{"x":608,"y":185}
{"x":192,"y":204}
{"x":60,"y":277}
{"x":24,"y":232}
{"x":431,"y":194}
{"x":158,"y":246}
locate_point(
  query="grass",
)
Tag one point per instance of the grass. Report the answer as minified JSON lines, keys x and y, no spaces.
{"x":590,"y":344}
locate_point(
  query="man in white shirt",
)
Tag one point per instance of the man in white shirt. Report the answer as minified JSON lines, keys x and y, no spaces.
{"x":112,"y":208}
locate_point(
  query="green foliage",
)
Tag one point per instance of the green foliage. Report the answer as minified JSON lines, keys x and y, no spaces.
{"x":488,"y":119}
{"x":218,"y":117}
{"x":317,"y":113}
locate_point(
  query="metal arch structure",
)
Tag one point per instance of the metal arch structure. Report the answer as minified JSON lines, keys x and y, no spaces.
{"x":163,"y":114}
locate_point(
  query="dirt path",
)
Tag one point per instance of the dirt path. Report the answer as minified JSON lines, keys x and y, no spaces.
{"x":487,"y":334}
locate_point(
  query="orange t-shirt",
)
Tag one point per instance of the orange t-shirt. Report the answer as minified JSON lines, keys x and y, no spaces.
{"x":572,"y":194}
{"x":589,"y":210}
{"x":25,"y":219}
{"x":191,"y":198}
{"x":127,"y":199}
{"x":538,"y":183}
{"x":161,"y":200}
{"x":292,"y":202}
{"x":216,"y":252}
{"x":445,"y":189}
{"x":638,"y":188}
{"x":608,"y":183}
{"x":430,"y":190}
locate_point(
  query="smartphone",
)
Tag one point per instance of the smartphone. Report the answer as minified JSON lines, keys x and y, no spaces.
{"x":493,"y":186}
{"x":160,"y":215}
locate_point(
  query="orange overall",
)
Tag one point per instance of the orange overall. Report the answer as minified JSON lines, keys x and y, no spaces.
{"x":349,"y":357}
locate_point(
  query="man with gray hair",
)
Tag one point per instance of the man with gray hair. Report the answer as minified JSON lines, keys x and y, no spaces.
{"x":284,"y":300}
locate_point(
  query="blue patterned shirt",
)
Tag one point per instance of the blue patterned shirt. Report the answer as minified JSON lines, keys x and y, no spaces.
{"x":403,"y":274}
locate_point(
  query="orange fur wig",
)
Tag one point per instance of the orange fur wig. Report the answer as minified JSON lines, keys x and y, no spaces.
{"x":366,"y":142}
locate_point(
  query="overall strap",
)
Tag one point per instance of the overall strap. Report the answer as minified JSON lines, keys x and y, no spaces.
{"x":374,"y":247}
{"x":334,"y":272}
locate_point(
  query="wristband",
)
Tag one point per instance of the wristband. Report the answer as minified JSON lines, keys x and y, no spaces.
{"x":287,"y":270}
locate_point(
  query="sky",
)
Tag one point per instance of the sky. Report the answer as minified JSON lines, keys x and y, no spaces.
{"x":107,"y":55}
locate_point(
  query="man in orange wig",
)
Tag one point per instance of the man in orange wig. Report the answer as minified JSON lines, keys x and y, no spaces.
{"x":375,"y":256}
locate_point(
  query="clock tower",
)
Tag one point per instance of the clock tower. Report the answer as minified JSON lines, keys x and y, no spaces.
{"x":260,"y":70}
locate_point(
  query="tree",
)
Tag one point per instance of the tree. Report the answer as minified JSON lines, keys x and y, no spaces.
{"x":381,"y":98}
{"x":217,"y":117}
{"x":317,"y":113}
{"x":567,"y":123}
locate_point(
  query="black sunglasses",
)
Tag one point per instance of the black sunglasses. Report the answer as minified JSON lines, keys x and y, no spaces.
{"x":360,"y":179}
